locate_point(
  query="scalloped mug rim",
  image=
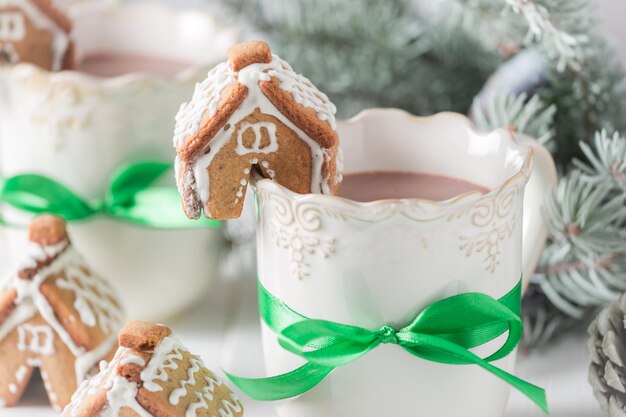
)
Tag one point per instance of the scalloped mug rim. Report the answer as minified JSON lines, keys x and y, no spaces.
{"x":467,"y":198}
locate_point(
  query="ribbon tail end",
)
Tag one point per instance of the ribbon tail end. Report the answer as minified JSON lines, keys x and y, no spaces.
{"x":282,"y":386}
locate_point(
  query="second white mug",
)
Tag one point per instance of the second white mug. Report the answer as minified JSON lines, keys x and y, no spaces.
{"x":77,"y":128}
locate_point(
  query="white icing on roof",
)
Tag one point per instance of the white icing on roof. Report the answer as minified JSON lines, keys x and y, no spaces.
{"x":95,"y":308}
{"x":303,"y":91}
{"x":120,"y":392}
{"x":207,"y":95}
{"x":39,"y":253}
{"x":205,"y":100}
{"x":133,"y":360}
{"x":167,"y":355}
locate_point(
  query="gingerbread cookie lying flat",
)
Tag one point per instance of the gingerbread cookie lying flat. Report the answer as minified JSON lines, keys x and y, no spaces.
{"x":35,"y":31}
{"x":253,"y":114}
{"x":153,"y":374}
{"x":55,"y":315}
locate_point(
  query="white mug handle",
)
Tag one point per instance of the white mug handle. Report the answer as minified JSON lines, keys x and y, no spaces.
{"x":542,"y":179}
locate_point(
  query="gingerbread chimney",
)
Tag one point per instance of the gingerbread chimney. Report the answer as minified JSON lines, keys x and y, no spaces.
{"x":49,"y":234}
{"x":248,"y":53}
{"x":47,"y":230}
{"x":142,"y":336}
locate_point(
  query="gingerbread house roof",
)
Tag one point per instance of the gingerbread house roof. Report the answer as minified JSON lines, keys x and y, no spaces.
{"x":153,"y":374}
{"x":54,"y":281}
{"x":252,"y":77}
{"x":48,"y":7}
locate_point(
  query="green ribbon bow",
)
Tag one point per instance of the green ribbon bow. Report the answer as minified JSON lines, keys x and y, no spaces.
{"x":131,"y":196}
{"x":444,"y":332}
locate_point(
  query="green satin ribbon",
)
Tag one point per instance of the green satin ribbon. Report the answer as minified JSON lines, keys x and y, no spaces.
{"x":443,"y":332}
{"x":132,"y":196}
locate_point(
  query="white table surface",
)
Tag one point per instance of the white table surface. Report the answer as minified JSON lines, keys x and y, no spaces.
{"x":224,"y":330}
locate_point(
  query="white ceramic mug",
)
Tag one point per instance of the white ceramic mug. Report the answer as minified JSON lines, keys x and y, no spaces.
{"x":381,"y":263}
{"x":77,"y":128}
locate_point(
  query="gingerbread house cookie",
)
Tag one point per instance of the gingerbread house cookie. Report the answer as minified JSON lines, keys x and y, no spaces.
{"x":35,"y":31}
{"x":153,"y":374}
{"x":253,"y":114}
{"x":55,"y":315}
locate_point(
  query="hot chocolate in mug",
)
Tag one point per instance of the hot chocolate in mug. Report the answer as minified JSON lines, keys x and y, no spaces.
{"x":371,"y":264}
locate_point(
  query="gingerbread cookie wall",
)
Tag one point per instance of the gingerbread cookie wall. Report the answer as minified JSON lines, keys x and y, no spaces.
{"x":253,"y":113}
{"x":35,"y":31}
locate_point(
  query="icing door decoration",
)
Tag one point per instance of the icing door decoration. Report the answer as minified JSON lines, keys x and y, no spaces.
{"x":36,"y":339}
{"x":257,"y":145}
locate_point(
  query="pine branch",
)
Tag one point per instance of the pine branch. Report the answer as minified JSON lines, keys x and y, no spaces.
{"x":586,"y":218}
{"x":607,"y":162}
{"x":369,"y":53}
{"x":579,"y":266}
{"x":481,"y":19}
{"x":543,"y":27}
{"x":560,"y":27}
{"x":588,"y":100}
{"x":531,"y":116}
{"x":584,"y":265}
{"x":575,"y":286}
{"x":584,"y":81}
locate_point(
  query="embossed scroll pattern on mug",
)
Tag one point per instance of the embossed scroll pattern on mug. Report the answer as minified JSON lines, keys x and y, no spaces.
{"x":69,"y":105}
{"x":296,"y":224}
{"x":493,"y":220}
{"x":295,"y":227}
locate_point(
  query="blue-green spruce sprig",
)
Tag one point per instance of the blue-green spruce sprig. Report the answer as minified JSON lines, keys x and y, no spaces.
{"x":607,"y":161}
{"x":517,"y":113}
{"x":583,"y":266}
